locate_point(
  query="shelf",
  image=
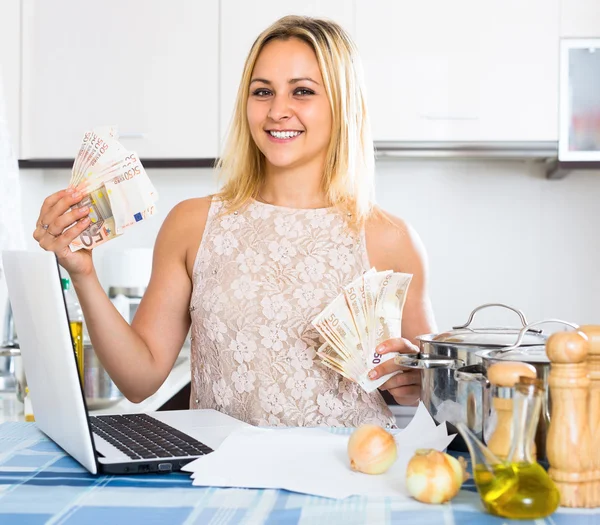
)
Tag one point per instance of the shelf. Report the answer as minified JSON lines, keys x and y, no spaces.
{"x":543,"y":152}
{"x":57,"y":164}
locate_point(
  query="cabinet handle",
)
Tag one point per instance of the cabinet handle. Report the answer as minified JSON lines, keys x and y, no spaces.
{"x":132,"y":135}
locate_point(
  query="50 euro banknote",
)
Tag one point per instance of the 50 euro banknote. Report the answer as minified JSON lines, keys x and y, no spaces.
{"x":126,"y":198}
{"x":98,"y":147}
{"x":366,"y":313}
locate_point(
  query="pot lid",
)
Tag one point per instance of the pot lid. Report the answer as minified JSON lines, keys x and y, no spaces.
{"x":531,"y":354}
{"x":484,"y":337}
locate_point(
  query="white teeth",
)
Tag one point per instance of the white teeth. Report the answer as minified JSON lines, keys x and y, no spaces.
{"x":284,"y":134}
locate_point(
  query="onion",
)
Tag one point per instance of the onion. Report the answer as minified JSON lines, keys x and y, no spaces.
{"x":371,"y":449}
{"x":434,"y":477}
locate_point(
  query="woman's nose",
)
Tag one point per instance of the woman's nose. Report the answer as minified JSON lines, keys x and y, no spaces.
{"x":280,"y":108}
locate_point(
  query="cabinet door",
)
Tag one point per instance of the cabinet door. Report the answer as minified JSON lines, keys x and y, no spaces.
{"x":10,"y":59}
{"x":580,"y":18}
{"x":460,"y":71}
{"x":148,"y":66}
{"x":242,"y":22}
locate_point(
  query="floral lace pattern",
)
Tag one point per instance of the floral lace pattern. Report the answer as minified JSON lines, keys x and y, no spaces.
{"x":261,"y":275}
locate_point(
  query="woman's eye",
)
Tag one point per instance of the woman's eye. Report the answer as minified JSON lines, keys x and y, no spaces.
{"x":304,"y":91}
{"x":261,"y":92}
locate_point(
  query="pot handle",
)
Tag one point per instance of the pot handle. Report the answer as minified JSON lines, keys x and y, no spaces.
{"x":526,"y":328}
{"x":472,"y":373}
{"x":488,"y":305}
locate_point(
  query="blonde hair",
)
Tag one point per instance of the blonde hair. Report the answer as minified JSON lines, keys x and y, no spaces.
{"x":349,"y":166}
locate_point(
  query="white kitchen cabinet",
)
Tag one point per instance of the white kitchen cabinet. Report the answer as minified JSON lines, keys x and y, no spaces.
{"x":10,"y":61}
{"x":580,"y":18}
{"x":242,"y":22}
{"x":148,"y":66}
{"x":467,"y":70}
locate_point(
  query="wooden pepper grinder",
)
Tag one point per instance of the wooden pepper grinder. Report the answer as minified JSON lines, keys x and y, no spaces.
{"x":593,"y":362}
{"x":569,"y":440}
{"x":503,"y":376}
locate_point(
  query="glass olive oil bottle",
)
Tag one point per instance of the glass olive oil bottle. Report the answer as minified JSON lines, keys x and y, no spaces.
{"x":75,"y":322}
{"x":519,"y":487}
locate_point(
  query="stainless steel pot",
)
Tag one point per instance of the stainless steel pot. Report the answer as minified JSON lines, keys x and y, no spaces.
{"x":99,"y":389}
{"x":534,"y":355}
{"x":447,"y":399}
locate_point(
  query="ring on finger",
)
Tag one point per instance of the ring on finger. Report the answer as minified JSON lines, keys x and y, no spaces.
{"x":44,"y":226}
{"x":50,"y":233}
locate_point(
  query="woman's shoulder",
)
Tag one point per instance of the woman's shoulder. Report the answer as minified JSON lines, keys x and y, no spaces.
{"x":392,"y":243}
{"x":189,"y":213}
{"x":184,"y":227}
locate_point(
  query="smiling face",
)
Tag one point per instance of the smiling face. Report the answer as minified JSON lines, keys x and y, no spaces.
{"x":288,"y":110}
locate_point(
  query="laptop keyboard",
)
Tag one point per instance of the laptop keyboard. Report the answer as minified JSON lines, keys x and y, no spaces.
{"x":140,"y":436}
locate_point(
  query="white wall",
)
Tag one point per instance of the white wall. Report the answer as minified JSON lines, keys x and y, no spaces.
{"x":502,"y":232}
{"x":494,"y":232}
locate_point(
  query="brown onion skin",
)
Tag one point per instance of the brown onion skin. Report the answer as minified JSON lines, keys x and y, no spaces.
{"x":433,"y":476}
{"x":371,"y":450}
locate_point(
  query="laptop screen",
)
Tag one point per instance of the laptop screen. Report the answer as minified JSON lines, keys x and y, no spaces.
{"x":42,"y":322}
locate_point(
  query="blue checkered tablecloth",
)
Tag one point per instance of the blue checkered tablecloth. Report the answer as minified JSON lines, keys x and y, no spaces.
{"x":40,"y":484}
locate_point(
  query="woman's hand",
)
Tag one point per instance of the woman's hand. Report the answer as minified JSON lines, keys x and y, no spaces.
{"x":405,"y":387}
{"x":56,"y":215}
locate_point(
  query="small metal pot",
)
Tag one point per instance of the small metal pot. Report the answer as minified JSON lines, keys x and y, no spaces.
{"x":100,"y":391}
{"x":447,"y":399}
{"x":534,"y":355}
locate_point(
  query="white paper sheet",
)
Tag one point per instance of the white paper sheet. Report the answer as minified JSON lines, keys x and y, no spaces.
{"x":311,"y":460}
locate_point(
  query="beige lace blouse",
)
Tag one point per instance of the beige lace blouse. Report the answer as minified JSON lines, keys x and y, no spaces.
{"x":261,"y":276}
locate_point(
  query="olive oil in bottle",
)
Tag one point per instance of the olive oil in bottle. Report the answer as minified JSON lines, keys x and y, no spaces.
{"x":513,"y":490}
{"x":77,"y":335}
{"x":519,"y":487}
{"x":76,"y":323}
{"x":27,"y":410}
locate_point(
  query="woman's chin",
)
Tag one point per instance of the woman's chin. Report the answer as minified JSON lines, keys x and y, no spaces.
{"x":282,"y":163}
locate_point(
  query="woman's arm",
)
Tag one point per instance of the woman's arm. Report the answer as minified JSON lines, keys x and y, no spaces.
{"x":139,"y":357}
{"x":417,"y":317}
{"x":394,"y":245}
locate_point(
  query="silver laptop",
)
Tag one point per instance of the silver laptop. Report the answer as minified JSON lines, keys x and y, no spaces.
{"x":111,"y":444}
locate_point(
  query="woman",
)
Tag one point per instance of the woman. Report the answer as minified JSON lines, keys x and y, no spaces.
{"x":251,"y":267}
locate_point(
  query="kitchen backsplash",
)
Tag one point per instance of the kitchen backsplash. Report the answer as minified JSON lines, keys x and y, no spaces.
{"x":494,"y":232}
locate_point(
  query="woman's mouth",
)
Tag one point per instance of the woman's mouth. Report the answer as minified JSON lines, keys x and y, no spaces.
{"x":283,"y":136}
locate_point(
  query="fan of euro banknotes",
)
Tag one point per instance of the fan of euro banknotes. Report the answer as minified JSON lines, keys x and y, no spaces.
{"x":366,"y":313}
{"x":115,"y":187}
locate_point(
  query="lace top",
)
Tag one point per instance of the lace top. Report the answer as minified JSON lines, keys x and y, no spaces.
{"x":261,"y":275}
